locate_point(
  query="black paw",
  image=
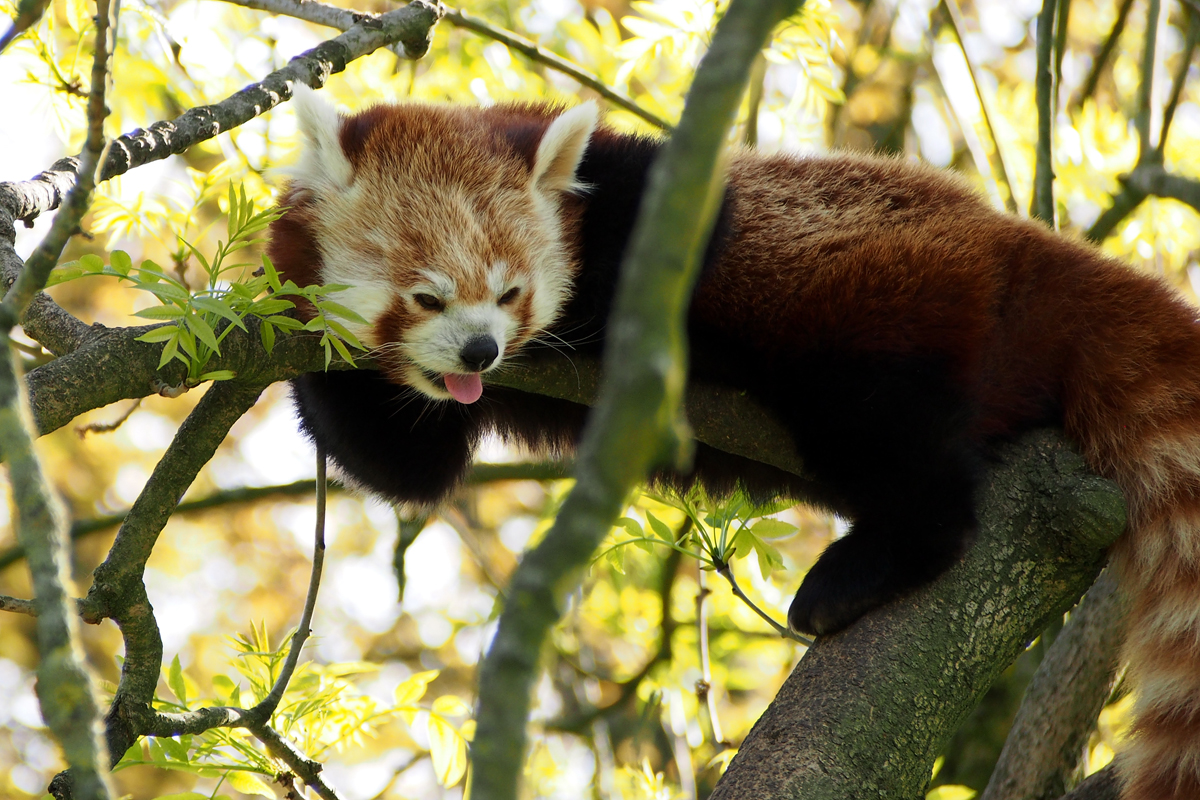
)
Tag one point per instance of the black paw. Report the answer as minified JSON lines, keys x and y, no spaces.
{"x":862,"y":571}
{"x":830,"y":599}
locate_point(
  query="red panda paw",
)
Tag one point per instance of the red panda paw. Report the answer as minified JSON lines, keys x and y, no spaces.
{"x":868,"y":567}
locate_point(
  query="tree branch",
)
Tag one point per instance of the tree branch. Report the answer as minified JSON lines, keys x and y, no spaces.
{"x":334,"y":17}
{"x":410,"y":27}
{"x":636,"y":419}
{"x":118,"y":591}
{"x":836,"y":730}
{"x":1062,"y":701}
{"x":1101,"y":58}
{"x":1043,"y":181}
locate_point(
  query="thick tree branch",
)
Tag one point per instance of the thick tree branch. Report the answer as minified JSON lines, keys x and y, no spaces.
{"x":837,"y":730}
{"x":636,"y":421}
{"x":1062,"y":701}
{"x":118,"y":591}
{"x":64,"y":685}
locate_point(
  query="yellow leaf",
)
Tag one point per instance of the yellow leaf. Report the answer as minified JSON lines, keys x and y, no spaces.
{"x":951,"y":793}
{"x":449,"y":705}
{"x":413,"y":689}
{"x":248,"y":783}
{"x":448,"y":751}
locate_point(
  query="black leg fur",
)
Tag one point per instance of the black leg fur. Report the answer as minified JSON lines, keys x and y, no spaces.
{"x":892,"y":440}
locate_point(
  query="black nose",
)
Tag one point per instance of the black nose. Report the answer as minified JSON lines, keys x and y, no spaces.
{"x":479,"y":353}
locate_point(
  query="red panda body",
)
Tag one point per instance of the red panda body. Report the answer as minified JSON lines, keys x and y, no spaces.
{"x":891,"y":320}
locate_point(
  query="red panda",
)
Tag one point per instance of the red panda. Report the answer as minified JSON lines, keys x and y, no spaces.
{"x":894,"y":323}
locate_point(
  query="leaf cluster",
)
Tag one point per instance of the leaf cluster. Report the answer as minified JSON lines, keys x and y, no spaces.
{"x":196,"y":322}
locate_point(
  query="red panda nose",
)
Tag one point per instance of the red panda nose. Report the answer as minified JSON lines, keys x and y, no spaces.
{"x":479,"y":353}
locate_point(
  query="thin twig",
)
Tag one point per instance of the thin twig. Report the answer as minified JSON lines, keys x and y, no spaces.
{"x":954,"y":14}
{"x":1181,"y":73}
{"x":1101,"y":58}
{"x":782,"y":630}
{"x":17,"y":605}
{"x":1043,"y":182}
{"x":533,"y":51}
{"x":704,"y":693}
{"x":1146,"y":87}
{"x":480,"y":474}
{"x":269,"y":703}
{"x":334,"y":17}
{"x":109,"y":427}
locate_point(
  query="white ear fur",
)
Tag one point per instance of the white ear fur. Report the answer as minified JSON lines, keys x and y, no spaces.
{"x":561,"y":148}
{"x":323,"y":166}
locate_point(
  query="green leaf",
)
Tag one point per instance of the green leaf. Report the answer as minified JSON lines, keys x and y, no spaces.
{"x":631,"y":526}
{"x":412,"y":688}
{"x":91,"y":262}
{"x":342,"y":351}
{"x":342,"y":311}
{"x":64,"y":273}
{"x":121,"y":262}
{"x":171,"y":349}
{"x":167,"y":292}
{"x":204,"y":332}
{"x":247,"y":783}
{"x":187,"y":343}
{"x":616,"y":558}
{"x":271,"y":273}
{"x":660,"y":528}
{"x":159,"y":334}
{"x":174,"y":750}
{"x":175,"y":681}
{"x":215,"y":306}
{"x":287,"y":323}
{"x":344,"y":334}
{"x":270,"y":305}
{"x":448,"y":751}
{"x":773,"y":528}
{"x":160,"y":312}
{"x":219,"y":375}
{"x":266,"y":332}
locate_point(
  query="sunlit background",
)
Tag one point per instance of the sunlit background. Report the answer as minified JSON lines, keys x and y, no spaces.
{"x":886,"y":76}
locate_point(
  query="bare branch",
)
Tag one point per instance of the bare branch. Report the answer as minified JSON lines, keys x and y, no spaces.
{"x":409,"y":27}
{"x":954,"y":14}
{"x":1062,"y":701}
{"x":1141,"y":119}
{"x":334,"y":17}
{"x":532,"y":51}
{"x":267,"y":707}
{"x":1043,"y":182}
{"x":1100,"y":60}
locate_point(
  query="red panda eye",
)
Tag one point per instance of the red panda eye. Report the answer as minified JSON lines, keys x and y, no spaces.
{"x":509,"y":296}
{"x":429,"y":302}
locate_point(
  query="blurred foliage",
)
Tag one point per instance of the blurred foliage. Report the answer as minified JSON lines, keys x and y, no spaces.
{"x":383,"y":700}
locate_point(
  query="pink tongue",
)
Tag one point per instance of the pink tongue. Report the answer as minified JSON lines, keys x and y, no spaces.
{"x":464,"y":388}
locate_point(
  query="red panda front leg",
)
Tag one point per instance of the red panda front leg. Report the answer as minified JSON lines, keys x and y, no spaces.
{"x":891,"y":439}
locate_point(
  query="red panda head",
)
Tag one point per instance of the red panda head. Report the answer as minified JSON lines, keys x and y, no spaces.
{"x":445,"y":224}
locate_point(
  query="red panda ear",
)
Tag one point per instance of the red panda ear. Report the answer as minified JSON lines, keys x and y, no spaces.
{"x":323,"y":166}
{"x":562,"y":147}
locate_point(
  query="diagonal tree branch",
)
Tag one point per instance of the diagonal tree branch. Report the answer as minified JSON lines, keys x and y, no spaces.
{"x":1062,"y":701}
{"x":410,"y":27}
{"x":334,"y":17}
{"x":837,"y":731}
{"x":636,"y":422}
